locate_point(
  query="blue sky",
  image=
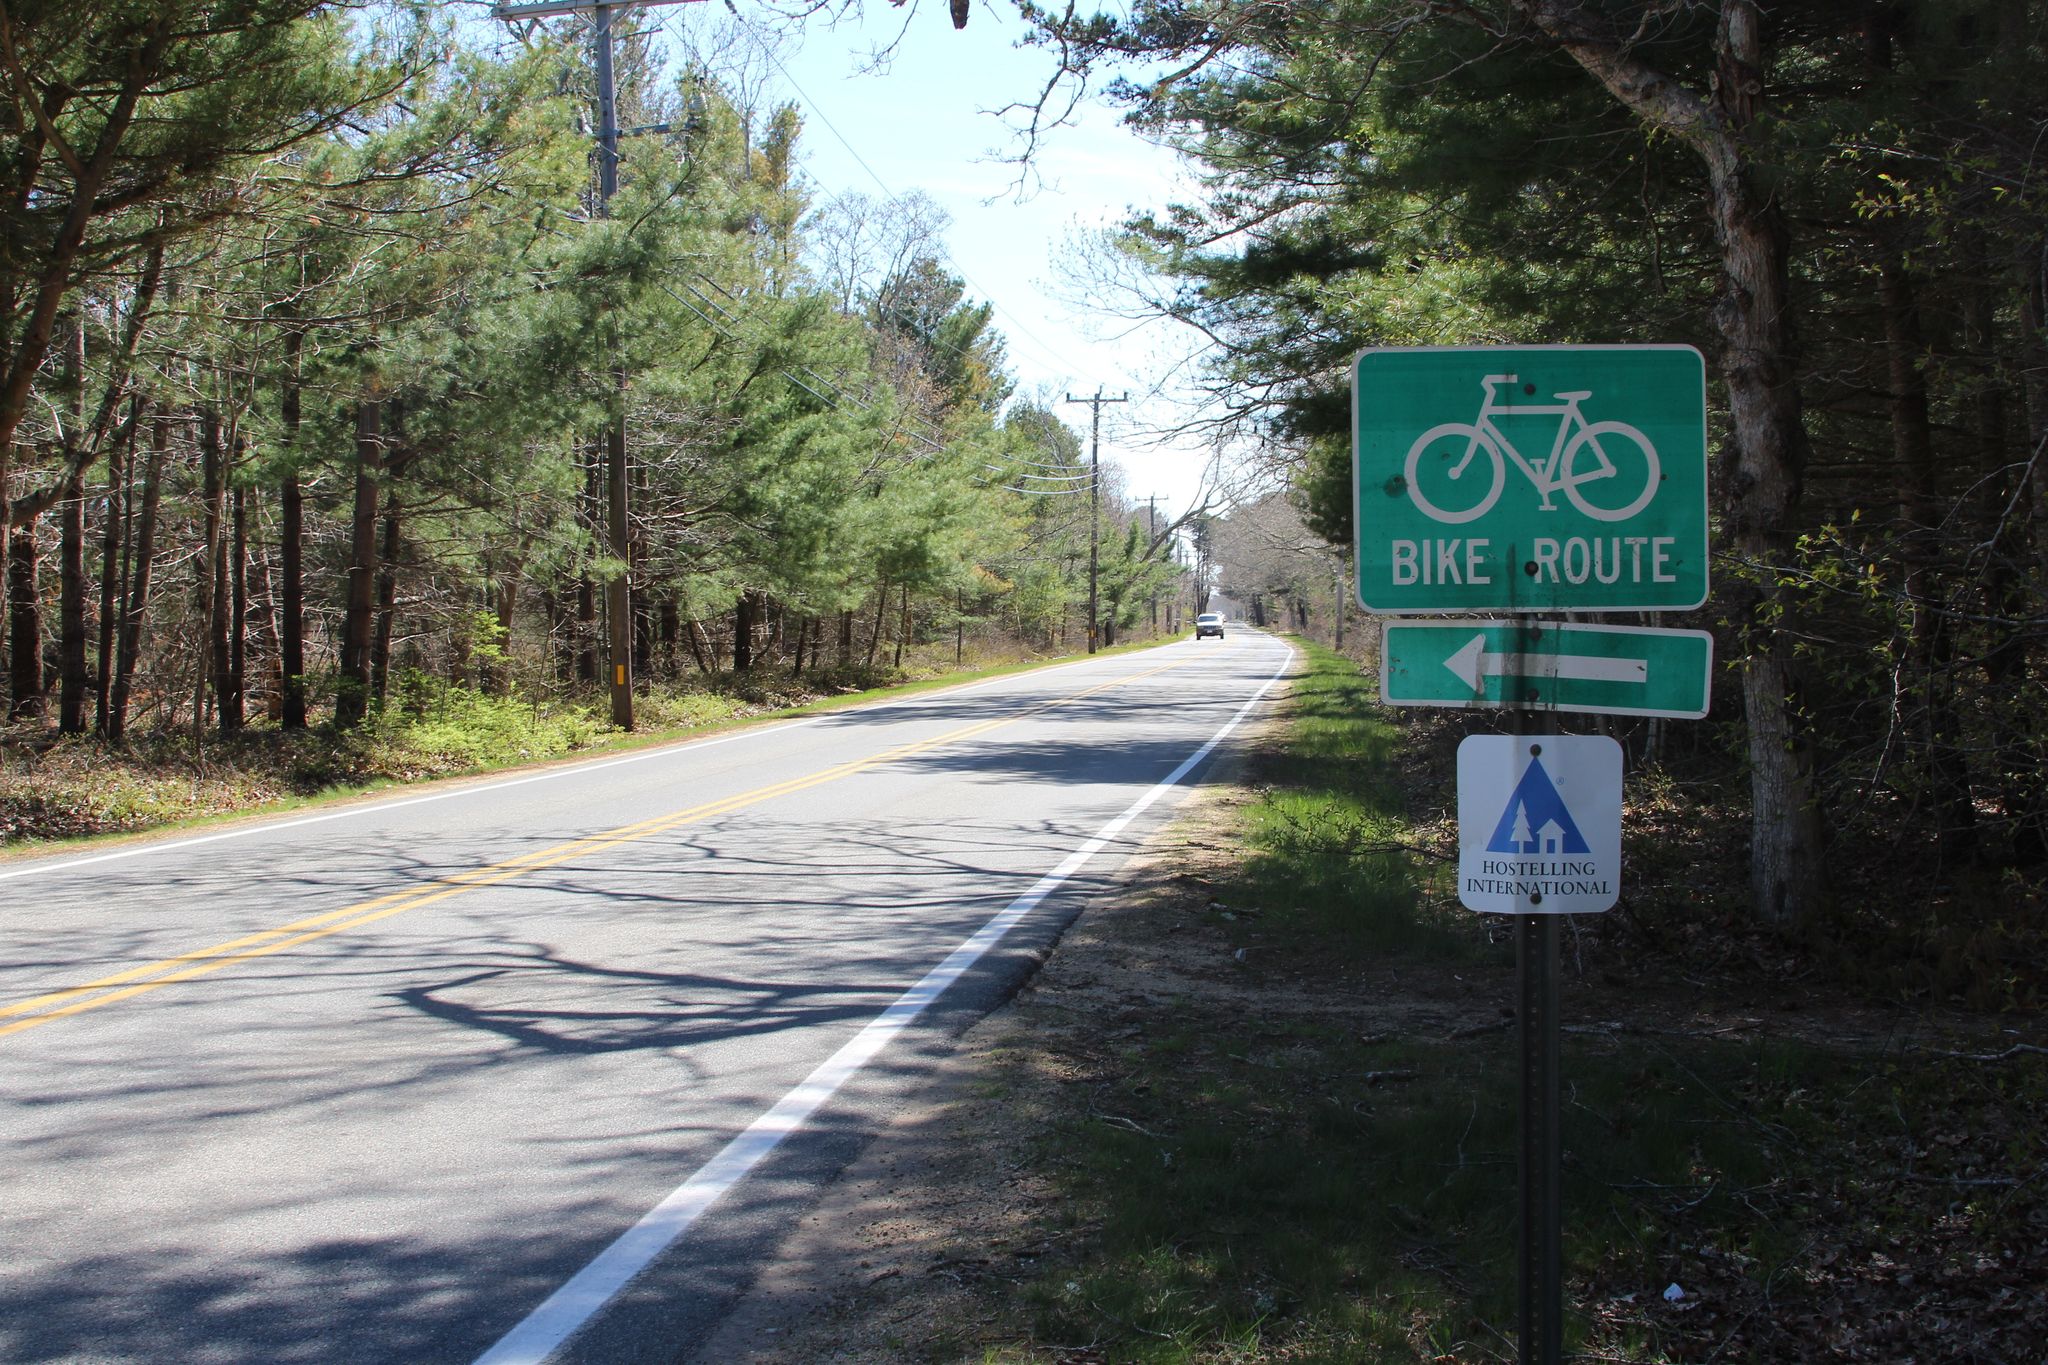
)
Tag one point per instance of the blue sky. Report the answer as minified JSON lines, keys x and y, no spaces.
{"x":921,"y":124}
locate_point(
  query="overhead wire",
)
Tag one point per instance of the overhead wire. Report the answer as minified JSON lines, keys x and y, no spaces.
{"x":1023,"y":470}
{"x":1046,"y":350}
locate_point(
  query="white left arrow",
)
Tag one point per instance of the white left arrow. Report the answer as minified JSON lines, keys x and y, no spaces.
{"x":1472,"y":663}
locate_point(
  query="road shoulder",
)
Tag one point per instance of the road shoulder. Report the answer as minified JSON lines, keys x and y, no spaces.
{"x":915,"y":1253}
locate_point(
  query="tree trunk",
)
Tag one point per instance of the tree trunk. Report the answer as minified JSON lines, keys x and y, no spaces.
{"x":1761,"y":475}
{"x":2025,"y":767}
{"x":23,"y":349}
{"x":24,"y":624}
{"x":387,"y":598}
{"x":671,"y":638}
{"x":291,"y":549}
{"x":71,"y":541}
{"x":212,"y":569}
{"x":1932,"y":641}
{"x":1760,"y":471}
{"x":586,"y":630}
{"x":352,"y":695}
{"x":113,"y":545}
{"x":496,"y":679}
{"x":846,"y":637}
{"x":644,"y":625}
{"x":235,"y":683}
{"x":144,"y":552}
{"x":881,"y":609}
{"x":592,"y":512}
{"x":71,"y":668}
{"x":701,"y":648}
{"x":560,"y":651}
{"x":743,"y":633}
{"x":902,"y":626}
{"x":263,"y":597}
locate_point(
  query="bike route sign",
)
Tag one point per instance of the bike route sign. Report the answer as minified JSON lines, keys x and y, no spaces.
{"x":1530,"y":478}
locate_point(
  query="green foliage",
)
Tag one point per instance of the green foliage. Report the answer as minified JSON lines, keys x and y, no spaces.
{"x":437,"y":727}
{"x":1384,"y":173}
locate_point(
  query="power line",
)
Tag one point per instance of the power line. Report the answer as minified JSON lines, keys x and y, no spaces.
{"x":1095,"y":506}
{"x":1047,"y":350}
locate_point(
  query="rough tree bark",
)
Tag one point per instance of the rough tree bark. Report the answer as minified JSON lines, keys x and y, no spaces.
{"x":902,"y":626}
{"x":743,"y":633}
{"x":586,"y":630}
{"x":113,"y":549}
{"x":235,"y":682}
{"x":71,"y":541}
{"x":881,"y":607}
{"x":352,"y":695}
{"x":24,"y":624}
{"x":213,"y":568}
{"x":1919,"y":509}
{"x":136,"y":613}
{"x":1760,"y":471}
{"x":72,"y":675}
{"x":291,"y":547}
{"x":387,"y":591}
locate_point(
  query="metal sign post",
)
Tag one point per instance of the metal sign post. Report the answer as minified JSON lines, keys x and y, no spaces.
{"x":1539,"y":1261}
{"x":1539,"y":835}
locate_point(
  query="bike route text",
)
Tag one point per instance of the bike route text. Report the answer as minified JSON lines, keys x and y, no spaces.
{"x":1572,"y":559}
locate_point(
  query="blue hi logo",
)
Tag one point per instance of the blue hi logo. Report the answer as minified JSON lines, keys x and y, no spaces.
{"x":1536,"y":820}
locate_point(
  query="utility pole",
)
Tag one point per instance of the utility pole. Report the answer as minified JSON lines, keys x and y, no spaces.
{"x":618,"y":595}
{"x":618,"y":591}
{"x":1343,"y":583}
{"x":1151,"y":535}
{"x":1095,"y":505}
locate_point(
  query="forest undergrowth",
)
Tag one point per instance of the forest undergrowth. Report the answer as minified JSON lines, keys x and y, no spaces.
{"x":73,"y":787}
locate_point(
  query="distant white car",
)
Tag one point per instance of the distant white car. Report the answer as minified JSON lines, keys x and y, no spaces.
{"x":1209,"y":623}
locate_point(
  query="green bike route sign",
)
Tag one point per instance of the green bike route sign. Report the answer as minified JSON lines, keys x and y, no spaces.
{"x":1530,"y":478}
{"x":1547,"y":666}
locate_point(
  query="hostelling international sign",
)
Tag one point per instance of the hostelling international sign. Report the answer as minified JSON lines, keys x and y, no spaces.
{"x":1539,"y":824}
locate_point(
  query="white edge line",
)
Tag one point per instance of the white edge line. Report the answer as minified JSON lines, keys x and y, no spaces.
{"x":35,"y":867}
{"x":594,"y":1286}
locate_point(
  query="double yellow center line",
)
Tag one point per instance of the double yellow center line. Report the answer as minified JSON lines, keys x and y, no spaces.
{"x":108,"y":990}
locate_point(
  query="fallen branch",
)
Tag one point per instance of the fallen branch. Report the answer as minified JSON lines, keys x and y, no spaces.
{"x":2015,"y":1050}
{"x":1118,"y":1121}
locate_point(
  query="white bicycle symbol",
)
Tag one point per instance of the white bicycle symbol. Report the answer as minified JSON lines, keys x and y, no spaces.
{"x":1443,"y":456}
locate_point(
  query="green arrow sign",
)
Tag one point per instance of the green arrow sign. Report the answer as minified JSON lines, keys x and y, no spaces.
{"x":1530,"y":478}
{"x":1547,"y":666}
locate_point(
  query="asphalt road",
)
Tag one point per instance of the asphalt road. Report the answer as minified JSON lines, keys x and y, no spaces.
{"x":540,"y":1067}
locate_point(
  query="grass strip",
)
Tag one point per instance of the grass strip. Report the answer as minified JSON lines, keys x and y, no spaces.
{"x":1310,"y":1155}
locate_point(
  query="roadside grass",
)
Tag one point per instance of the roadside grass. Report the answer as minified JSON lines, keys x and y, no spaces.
{"x":1294,"y":1168}
{"x":1333,"y":857}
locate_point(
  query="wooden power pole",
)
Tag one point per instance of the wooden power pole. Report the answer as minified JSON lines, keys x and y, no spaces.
{"x":618,"y":592}
{"x":1095,"y":508}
